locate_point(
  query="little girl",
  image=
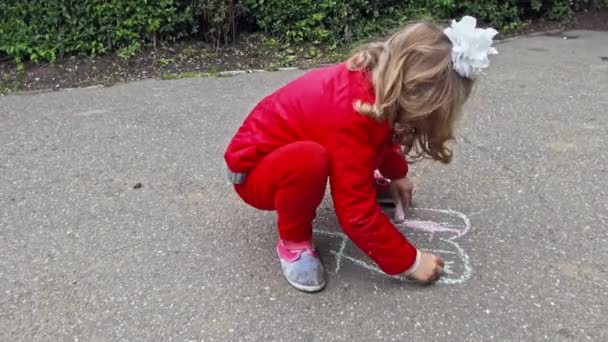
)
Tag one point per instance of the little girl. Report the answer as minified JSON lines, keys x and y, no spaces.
{"x":347,"y":123}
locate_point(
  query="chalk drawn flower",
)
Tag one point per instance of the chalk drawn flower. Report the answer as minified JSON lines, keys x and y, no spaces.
{"x":437,"y":231}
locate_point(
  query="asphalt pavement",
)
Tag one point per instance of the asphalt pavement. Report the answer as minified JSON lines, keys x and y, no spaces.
{"x":116,"y":222}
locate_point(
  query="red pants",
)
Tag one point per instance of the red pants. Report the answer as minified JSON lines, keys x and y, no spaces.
{"x":292,"y":181}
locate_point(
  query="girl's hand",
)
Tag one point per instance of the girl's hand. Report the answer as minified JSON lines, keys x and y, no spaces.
{"x":402,"y":191}
{"x":429,"y":269}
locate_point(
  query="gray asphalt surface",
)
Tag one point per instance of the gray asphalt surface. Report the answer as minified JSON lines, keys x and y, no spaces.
{"x":85,"y":256}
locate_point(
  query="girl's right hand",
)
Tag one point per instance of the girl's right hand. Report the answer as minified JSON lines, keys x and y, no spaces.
{"x":429,"y":269}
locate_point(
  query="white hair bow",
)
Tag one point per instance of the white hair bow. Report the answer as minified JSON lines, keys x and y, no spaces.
{"x":471,"y":46}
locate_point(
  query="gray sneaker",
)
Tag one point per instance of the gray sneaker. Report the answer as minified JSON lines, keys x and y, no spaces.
{"x":302,"y":268}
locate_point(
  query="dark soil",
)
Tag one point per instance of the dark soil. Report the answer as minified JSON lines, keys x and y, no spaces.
{"x":194,"y":58}
{"x":178,"y":60}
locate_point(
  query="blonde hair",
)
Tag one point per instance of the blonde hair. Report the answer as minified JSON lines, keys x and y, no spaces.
{"x":416,"y":88}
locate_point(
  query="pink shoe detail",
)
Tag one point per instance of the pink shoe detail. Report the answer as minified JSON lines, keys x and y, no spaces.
{"x":294,"y":251}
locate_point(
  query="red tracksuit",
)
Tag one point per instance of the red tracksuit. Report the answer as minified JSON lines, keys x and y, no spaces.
{"x":307,"y":131}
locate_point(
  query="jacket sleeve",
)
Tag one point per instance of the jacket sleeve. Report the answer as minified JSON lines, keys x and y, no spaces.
{"x":393,"y":164}
{"x":354,"y":157}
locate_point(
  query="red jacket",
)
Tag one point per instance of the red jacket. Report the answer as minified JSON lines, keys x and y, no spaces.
{"x":318,"y":107}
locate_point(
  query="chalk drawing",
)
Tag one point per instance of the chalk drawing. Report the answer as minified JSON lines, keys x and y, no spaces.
{"x":433,"y":230}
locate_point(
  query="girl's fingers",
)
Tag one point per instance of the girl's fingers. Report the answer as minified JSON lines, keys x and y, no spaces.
{"x":437,"y":273}
{"x":431,"y":279}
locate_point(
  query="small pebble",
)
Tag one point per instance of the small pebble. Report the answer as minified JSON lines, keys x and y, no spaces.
{"x":137,"y":186}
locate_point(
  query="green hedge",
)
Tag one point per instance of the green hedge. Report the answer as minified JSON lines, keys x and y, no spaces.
{"x":330,"y":20}
{"x":216,"y":21}
{"x":44,"y":30}
{"x":316,"y":20}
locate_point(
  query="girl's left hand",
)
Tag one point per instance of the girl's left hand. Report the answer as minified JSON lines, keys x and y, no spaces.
{"x":402,"y":191}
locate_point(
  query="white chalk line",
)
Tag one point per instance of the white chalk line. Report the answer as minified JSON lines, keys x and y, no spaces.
{"x":444,"y":280}
{"x":424,"y":226}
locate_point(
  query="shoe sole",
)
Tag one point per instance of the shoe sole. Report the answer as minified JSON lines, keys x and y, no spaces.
{"x":305,"y":288}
